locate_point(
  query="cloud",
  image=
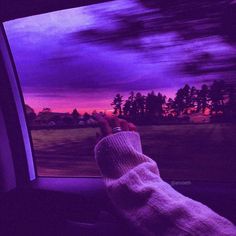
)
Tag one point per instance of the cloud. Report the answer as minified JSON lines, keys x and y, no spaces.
{"x":122,"y":50}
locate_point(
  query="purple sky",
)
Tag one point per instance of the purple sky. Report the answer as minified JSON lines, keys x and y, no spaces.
{"x":60,"y":71}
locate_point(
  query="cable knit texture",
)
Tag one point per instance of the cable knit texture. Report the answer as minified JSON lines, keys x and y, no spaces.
{"x":151,"y":205}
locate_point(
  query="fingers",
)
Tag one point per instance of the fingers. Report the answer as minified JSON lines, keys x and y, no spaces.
{"x":113,"y":121}
{"x":124,"y":125}
{"x":104,"y":125}
{"x":132,"y":127}
{"x":107,"y":123}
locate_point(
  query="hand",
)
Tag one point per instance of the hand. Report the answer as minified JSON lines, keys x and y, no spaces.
{"x":107,"y":123}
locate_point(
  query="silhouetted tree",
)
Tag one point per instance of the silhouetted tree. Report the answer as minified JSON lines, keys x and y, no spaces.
{"x":117,"y":103}
{"x":150,"y":103}
{"x":154,"y":104}
{"x":75,"y":114}
{"x":170,"y":108}
{"x":218,"y":98}
{"x":133,"y":110}
{"x":30,"y":113}
{"x":179,"y":104}
{"x":127,"y":107}
{"x":184,"y":101}
{"x":193,"y":97}
{"x":160,"y":101}
{"x":140,"y":104}
{"x":130,"y":106}
{"x":230,"y":106}
{"x":203,"y":98}
{"x":86,"y":116}
{"x":216,"y":95}
{"x":187,"y":98}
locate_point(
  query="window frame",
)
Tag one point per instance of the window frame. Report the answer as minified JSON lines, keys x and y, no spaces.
{"x":18,"y":123}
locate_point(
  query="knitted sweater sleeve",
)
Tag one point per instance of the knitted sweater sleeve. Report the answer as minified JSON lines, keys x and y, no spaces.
{"x":139,"y":194}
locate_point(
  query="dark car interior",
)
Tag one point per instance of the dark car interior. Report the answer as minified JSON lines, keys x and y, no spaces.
{"x":31,"y":205}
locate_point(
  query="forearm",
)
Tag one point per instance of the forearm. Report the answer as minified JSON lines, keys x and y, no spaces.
{"x":142,"y":197}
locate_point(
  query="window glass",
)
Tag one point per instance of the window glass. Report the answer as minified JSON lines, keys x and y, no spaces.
{"x":169,"y":69}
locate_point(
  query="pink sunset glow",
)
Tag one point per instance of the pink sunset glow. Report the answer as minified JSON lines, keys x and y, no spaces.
{"x":67,"y":103}
{"x":83,"y":102}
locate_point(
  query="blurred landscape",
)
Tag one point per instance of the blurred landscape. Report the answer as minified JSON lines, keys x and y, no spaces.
{"x":183,"y":152}
{"x":191,"y":137}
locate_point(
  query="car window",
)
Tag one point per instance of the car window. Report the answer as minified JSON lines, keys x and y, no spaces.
{"x":167,"y":69}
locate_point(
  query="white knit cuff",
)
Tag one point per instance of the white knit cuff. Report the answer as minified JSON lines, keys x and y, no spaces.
{"x":118,"y":153}
{"x":119,"y":138}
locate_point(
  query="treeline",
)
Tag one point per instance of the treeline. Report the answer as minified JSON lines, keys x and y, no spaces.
{"x":217,"y":100}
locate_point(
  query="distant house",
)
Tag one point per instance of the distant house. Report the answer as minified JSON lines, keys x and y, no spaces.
{"x":81,"y":123}
{"x":47,"y":118}
{"x":53,"y":119}
{"x":84,"y":122}
{"x":91,"y":122}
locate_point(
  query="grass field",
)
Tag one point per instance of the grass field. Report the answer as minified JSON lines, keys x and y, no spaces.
{"x":183,"y":152}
